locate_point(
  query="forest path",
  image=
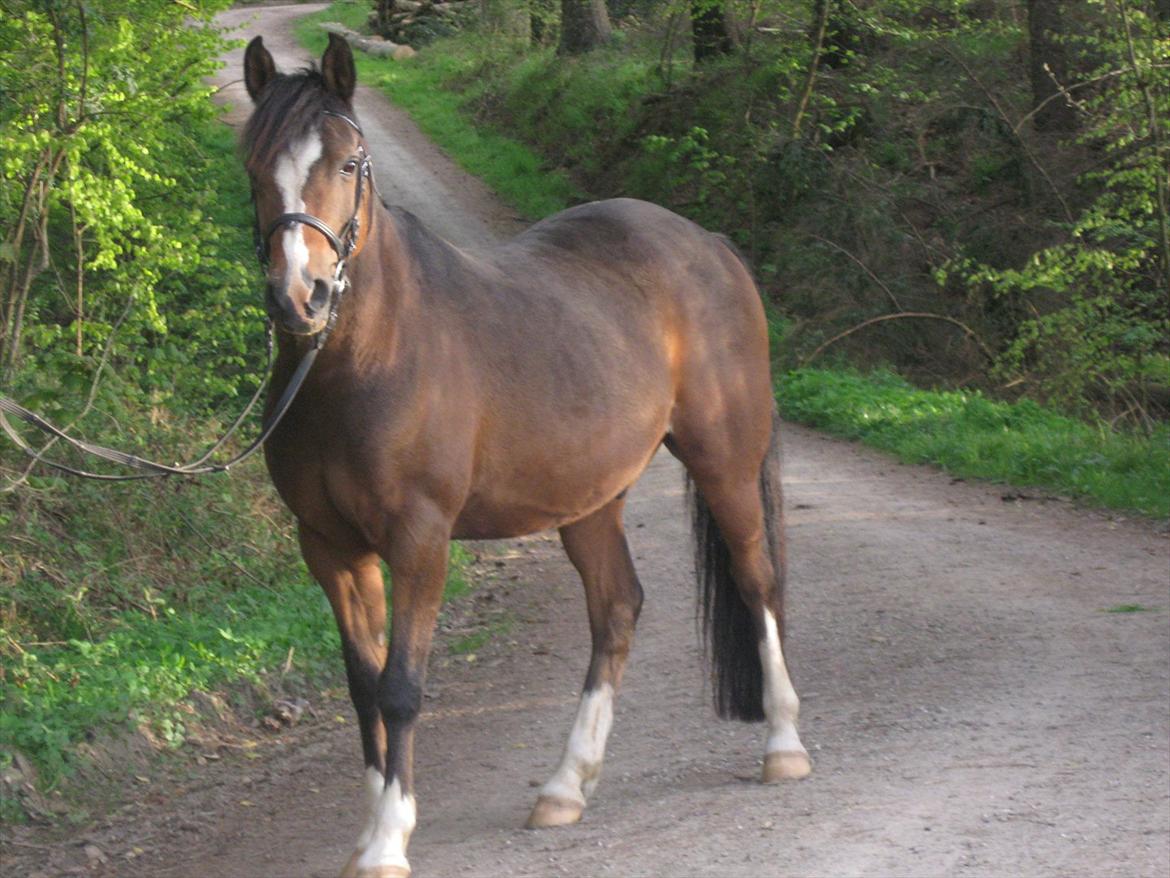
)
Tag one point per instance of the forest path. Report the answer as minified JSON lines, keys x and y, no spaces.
{"x":970,"y":705}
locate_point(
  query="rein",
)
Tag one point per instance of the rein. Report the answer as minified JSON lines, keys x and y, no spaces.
{"x":343,"y":245}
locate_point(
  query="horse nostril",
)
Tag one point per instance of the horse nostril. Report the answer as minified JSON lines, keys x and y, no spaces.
{"x":320,"y":297}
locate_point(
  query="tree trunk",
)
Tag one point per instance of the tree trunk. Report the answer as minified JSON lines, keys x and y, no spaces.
{"x":710,"y":33}
{"x":380,"y":20}
{"x":509,"y":18}
{"x":1048,"y":67}
{"x":584,"y":26}
{"x":820,"y":22}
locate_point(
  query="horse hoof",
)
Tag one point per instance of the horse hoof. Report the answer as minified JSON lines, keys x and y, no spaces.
{"x":554,"y":812}
{"x":384,"y":872}
{"x":786,"y":765}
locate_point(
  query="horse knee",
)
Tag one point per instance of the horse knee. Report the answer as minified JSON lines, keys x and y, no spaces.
{"x":400,"y":698}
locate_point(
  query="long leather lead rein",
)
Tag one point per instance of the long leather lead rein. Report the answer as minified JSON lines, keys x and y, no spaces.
{"x":153,"y":469}
{"x":343,"y":245}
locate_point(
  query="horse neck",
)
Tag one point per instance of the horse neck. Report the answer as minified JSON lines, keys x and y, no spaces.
{"x":378,"y":300}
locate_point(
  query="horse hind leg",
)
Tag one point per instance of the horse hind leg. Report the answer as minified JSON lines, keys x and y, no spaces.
{"x":740,"y":564}
{"x":597,"y":547}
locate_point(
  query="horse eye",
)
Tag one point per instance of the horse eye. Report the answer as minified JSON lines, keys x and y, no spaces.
{"x":349,"y":167}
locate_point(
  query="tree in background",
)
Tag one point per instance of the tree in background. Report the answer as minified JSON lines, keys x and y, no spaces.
{"x":1098,"y":297}
{"x":104,"y":191}
{"x":380,"y":19}
{"x":710,"y":31}
{"x":1048,"y":66}
{"x":584,"y":26}
{"x":511,"y":19}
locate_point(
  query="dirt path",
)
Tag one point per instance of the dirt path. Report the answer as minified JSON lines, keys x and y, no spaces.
{"x":970,"y":706}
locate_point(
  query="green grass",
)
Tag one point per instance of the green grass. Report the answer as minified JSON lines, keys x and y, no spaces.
{"x":471,"y":643}
{"x":144,"y":666}
{"x":418,"y":86}
{"x":144,"y":669}
{"x":967,"y":434}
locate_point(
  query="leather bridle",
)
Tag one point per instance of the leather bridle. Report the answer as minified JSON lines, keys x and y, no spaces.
{"x":343,"y":243}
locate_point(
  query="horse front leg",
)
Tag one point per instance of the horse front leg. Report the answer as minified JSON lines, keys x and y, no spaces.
{"x":352,"y":579}
{"x":417,"y":557}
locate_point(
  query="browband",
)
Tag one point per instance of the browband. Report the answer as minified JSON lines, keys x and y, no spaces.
{"x":348,"y":121}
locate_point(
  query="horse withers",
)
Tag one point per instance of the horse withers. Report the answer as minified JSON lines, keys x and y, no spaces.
{"x":490,"y":395}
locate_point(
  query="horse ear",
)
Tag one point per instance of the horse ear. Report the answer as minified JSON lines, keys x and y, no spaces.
{"x":337,"y":68}
{"x":259,"y":68}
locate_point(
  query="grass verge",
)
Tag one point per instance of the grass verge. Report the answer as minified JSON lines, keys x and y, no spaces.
{"x":969,"y":435}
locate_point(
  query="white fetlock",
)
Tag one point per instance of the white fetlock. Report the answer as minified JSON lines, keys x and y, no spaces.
{"x":394,"y":820}
{"x":562,"y":799}
{"x":784,"y":756}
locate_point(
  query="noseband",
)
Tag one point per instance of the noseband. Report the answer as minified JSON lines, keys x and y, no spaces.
{"x":343,"y":244}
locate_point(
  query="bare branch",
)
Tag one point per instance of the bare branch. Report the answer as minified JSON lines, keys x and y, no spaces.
{"x":1007,"y":119}
{"x":905,"y":315}
{"x":818,"y":42}
{"x":877,"y":280}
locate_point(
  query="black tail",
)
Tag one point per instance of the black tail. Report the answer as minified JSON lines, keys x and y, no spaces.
{"x":730,"y":635}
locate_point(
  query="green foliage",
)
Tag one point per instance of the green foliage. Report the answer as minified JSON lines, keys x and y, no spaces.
{"x":110,"y":169}
{"x":894,"y":169}
{"x":141,"y":672}
{"x":688,"y":161}
{"x":130,"y":308}
{"x":1100,"y":295}
{"x":1129,"y":608}
{"x":1022,"y":443}
{"x":120,"y":600}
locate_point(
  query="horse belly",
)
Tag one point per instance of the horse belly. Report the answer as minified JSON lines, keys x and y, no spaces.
{"x":556,"y":483}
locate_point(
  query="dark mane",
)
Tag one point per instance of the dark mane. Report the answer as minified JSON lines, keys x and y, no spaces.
{"x":290,"y":107}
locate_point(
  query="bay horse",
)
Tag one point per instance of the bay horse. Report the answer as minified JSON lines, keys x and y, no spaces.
{"x":491,"y":395}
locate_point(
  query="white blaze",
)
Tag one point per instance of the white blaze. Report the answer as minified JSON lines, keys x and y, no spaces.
{"x":781,"y":705}
{"x":393,"y":820}
{"x":292,"y":172}
{"x":580,"y":767}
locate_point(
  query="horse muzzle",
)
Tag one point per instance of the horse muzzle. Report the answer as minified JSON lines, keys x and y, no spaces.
{"x":297,"y":309}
